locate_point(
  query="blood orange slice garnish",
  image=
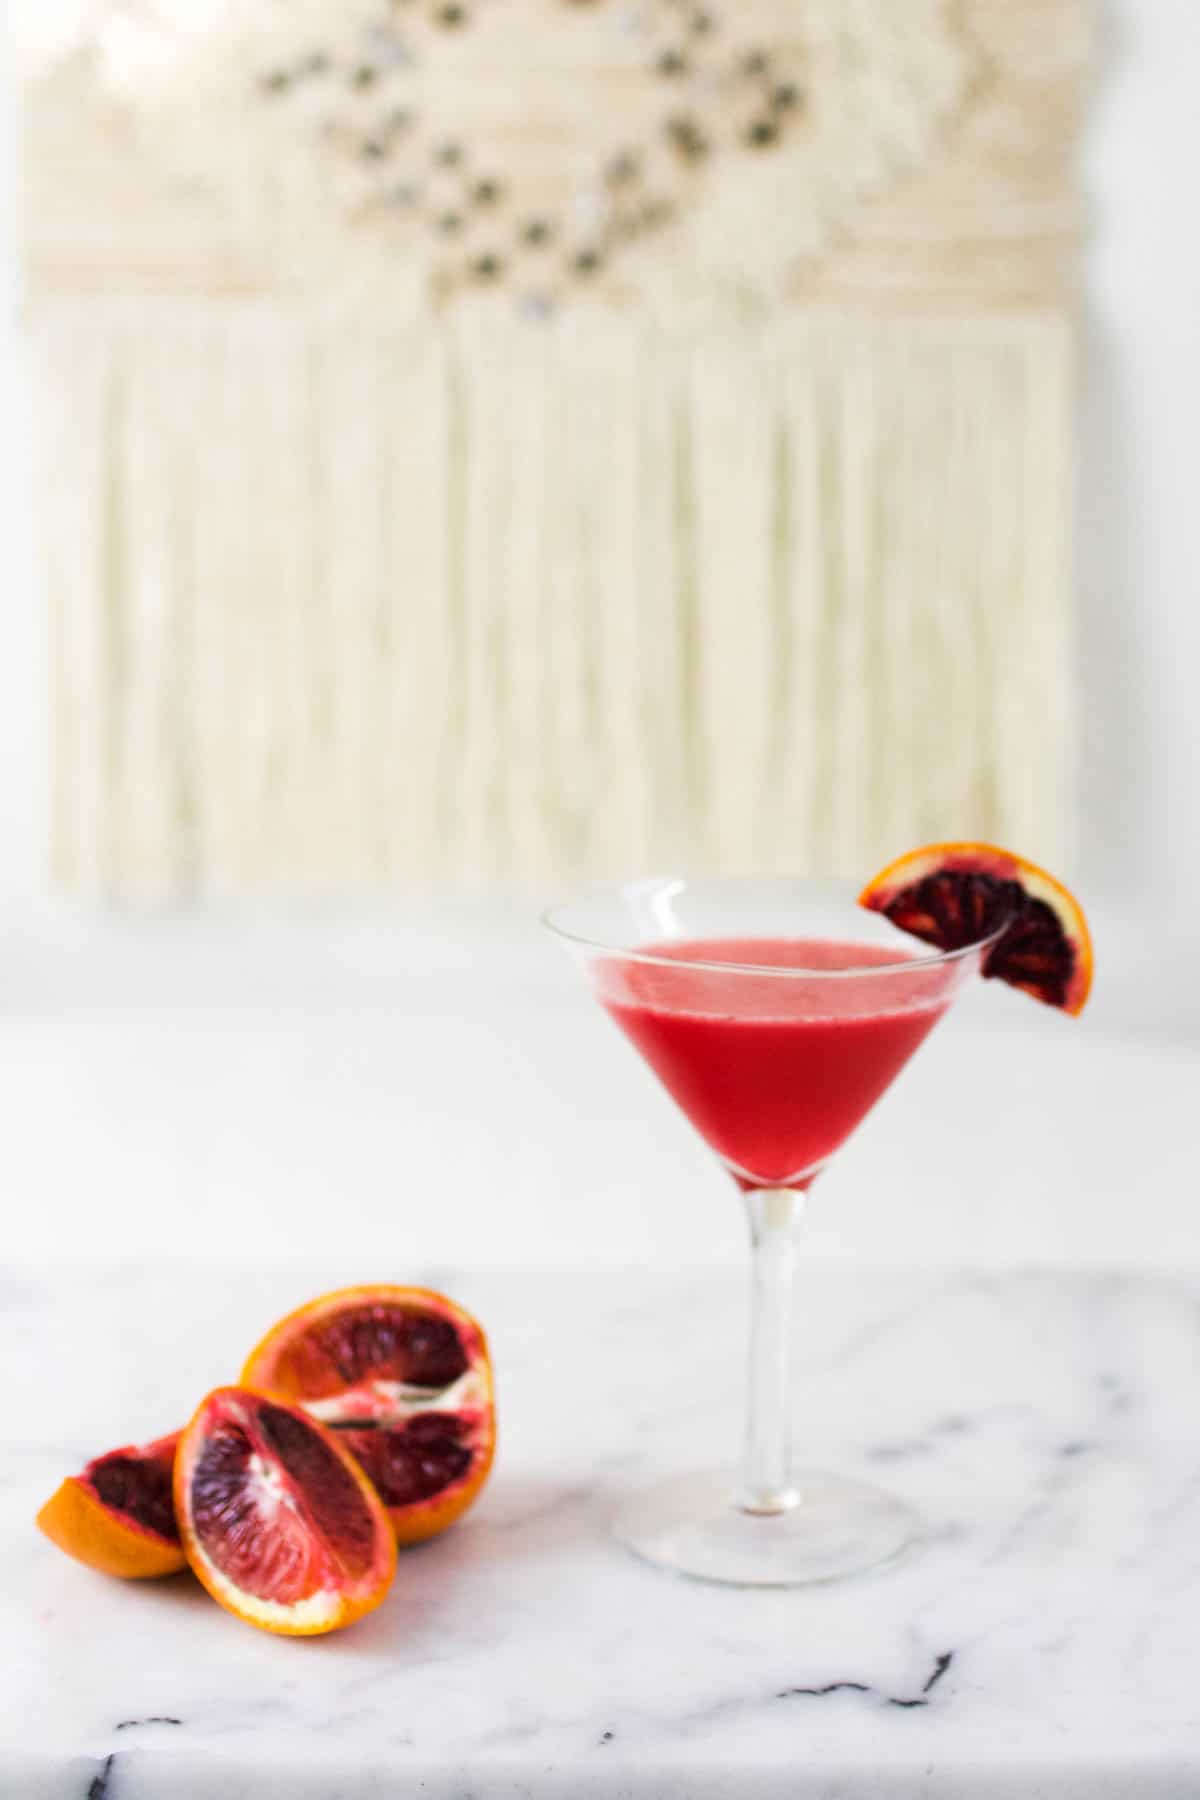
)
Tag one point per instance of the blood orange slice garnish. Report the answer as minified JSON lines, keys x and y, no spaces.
{"x":952,"y":895}
{"x":118,"y":1515}
{"x":277,"y":1519}
{"x":404,"y":1378}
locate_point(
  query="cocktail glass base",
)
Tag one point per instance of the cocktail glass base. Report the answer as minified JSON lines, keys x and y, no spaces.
{"x":693,"y":1525}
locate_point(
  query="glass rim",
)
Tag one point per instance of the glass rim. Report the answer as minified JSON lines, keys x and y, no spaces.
{"x":927,"y":958}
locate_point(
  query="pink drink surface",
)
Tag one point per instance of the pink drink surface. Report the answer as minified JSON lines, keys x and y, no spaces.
{"x":775,"y":1070}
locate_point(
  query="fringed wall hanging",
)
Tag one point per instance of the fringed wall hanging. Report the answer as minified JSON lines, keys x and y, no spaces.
{"x":490,"y":441}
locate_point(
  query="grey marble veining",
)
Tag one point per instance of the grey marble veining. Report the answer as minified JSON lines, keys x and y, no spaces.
{"x":1043,"y":1640}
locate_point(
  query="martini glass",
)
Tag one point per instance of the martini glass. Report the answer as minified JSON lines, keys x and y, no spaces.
{"x":775,"y":1014}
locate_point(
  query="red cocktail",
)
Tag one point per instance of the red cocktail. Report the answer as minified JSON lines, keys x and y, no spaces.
{"x":774,"y":1071}
{"x":775,"y":1019}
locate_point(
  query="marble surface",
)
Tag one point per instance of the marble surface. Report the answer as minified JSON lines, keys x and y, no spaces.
{"x":453,"y":1085}
{"x":1043,"y":1640}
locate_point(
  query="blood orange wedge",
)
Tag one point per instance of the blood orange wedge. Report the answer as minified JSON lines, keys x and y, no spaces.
{"x":118,"y":1515}
{"x":952,"y":895}
{"x":403,"y":1376}
{"x":278,"y":1521}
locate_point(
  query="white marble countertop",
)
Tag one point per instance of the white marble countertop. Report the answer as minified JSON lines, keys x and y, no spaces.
{"x":192,"y":1085}
{"x":1042,"y":1642}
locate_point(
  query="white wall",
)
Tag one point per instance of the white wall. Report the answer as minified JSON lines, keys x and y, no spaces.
{"x":1138,"y":511}
{"x":22,"y":712}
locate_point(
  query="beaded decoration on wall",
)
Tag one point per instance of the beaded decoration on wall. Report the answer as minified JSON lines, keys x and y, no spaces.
{"x":486,"y":441}
{"x":542,"y":207}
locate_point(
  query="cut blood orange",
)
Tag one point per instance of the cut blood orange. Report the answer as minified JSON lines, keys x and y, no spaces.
{"x":952,"y":895}
{"x":403,"y":1376}
{"x":118,"y":1515}
{"x":278,"y":1521}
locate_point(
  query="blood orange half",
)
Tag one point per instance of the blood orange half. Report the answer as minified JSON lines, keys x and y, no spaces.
{"x":278,"y":1521}
{"x":952,"y":895}
{"x":403,"y":1376}
{"x":118,"y":1515}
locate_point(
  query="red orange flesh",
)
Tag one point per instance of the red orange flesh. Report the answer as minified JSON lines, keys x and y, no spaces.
{"x":403,"y":1376}
{"x":117,"y":1515}
{"x":278,"y":1520}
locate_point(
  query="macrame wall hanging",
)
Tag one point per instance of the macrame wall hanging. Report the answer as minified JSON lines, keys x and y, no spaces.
{"x":485,"y":442}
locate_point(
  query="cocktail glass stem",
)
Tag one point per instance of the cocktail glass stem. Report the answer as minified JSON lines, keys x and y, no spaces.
{"x":766,"y":1487}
